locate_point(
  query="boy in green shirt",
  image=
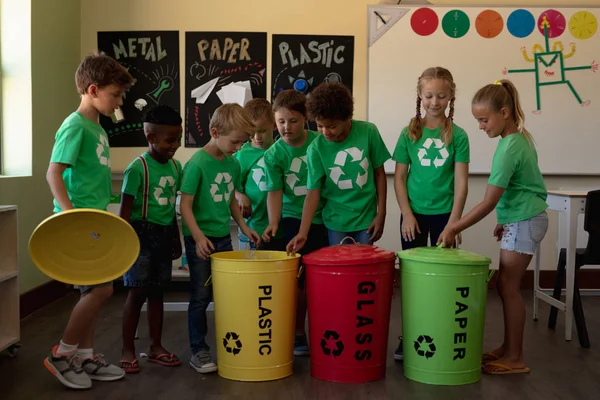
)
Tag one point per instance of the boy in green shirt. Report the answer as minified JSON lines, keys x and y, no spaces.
{"x":79,"y":177}
{"x":345,"y":167}
{"x":286,"y":182}
{"x":148,"y":203}
{"x":253,"y":199}
{"x":207,"y":204}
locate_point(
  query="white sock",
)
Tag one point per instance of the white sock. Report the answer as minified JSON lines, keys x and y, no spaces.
{"x":65,"y":349}
{"x":84,"y":354}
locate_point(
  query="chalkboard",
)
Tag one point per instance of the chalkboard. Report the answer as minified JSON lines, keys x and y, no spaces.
{"x":301,"y":62}
{"x":220,"y":67}
{"x":152,"y":57}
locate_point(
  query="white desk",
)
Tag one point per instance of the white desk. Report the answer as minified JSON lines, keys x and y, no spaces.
{"x":572,"y":203}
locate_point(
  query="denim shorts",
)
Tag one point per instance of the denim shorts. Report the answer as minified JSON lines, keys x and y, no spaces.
{"x":525,"y":236}
{"x":155,"y":262}
{"x":87,"y":289}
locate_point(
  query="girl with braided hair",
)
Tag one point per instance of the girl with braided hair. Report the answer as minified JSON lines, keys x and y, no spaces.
{"x":432,"y":165}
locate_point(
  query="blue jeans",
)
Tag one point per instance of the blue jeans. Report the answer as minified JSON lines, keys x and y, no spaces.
{"x":336,"y":237}
{"x":200,"y":295}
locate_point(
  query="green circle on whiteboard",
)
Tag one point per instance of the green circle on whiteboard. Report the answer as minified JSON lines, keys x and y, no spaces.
{"x":456,"y":23}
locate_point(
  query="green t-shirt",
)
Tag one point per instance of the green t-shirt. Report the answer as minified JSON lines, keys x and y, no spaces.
{"x":254,"y":183}
{"x":82,"y":144}
{"x":345,"y":174}
{"x":164,"y":181}
{"x":515,"y":169}
{"x":430,"y":182}
{"x":287,"y":170}
{"x":212,"y":183}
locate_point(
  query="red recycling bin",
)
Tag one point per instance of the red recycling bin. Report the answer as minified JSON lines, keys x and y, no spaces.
{"x":349,"y":292}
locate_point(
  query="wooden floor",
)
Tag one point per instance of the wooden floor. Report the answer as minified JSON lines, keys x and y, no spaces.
{"x":560,"y":370}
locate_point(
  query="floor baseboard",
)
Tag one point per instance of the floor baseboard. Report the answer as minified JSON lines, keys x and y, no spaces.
{"x":41,"y":296}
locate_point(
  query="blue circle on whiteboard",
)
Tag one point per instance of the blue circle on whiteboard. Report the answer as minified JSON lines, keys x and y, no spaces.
{"x":520,"y":23}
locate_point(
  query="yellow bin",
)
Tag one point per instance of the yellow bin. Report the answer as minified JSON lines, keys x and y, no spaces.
{"x":255,"y":308}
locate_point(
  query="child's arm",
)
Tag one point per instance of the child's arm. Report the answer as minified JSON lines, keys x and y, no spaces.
{"x":311,"y":203}
{"x":479,"y":212}
{"x":54,"y":176}
{"x":237,"y":217}
{"x":274,"y":206}
{"x":203,"y":245}
{"x":126,"y":206}
{"x":376,"y":227}
{"x":244,"y":204}
{"x":409,"y":224}
{"x":461,"y":189}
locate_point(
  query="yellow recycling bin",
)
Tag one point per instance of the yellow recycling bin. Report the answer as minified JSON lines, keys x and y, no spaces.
{"x":255,"y":308}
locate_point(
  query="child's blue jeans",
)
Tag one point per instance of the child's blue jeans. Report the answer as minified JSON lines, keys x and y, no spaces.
{"x":200,"y":293}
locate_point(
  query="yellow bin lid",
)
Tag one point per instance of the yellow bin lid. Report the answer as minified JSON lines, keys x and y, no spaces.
{"x":84,"y":246}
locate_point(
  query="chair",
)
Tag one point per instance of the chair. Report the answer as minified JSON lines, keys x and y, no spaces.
{"x":588,"y":256}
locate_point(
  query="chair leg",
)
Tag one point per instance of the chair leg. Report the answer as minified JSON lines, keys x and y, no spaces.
{"x":582,"y":332}
{"x":558,"y":283}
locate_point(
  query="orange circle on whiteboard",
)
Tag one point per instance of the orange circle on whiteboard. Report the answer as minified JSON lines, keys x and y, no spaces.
{"x":489,"y":24}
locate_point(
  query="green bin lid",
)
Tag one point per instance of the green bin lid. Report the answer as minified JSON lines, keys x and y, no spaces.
{"x":439,"y":255}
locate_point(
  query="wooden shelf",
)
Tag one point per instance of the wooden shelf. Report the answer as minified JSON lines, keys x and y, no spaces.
{"x":9,"y":278}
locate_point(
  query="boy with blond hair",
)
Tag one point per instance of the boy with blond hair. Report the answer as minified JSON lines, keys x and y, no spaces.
{"x":253,"y":199}
{"x":207,"y":204}
{"x":79,"y":177}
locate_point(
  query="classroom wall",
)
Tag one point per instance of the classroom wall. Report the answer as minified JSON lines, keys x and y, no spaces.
{"x":55,"y":44}
{"x":342,"y":17}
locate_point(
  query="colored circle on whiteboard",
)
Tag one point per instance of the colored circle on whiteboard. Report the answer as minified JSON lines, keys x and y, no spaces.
{"x":555,"y":19}
{"x":583,"y":25}
{"x":424,"y":21}
{"x":456,"y":24}
{"x":489,"y":24}
{"x":520,"y":23}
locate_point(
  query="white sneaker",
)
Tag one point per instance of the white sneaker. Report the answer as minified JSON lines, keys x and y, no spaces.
{"x":202,"y":362}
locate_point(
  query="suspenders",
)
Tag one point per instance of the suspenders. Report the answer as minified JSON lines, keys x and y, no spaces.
{"x":147,"y":185}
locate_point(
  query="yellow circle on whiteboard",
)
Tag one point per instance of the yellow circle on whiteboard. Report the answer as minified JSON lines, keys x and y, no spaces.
{"x":84,"y":246}
{"x":583,"y":25}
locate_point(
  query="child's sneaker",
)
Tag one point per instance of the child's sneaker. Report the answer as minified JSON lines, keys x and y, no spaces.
{"x":67,"y":370}
{"x":301,"y":346}
{"x":202,"y":362}
{"x":100,"y":370}
{"x":399,"y":353}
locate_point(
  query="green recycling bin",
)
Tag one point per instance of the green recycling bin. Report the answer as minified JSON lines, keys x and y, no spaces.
{"x":444,"y":294}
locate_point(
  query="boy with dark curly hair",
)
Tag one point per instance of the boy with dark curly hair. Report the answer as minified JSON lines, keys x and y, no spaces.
{"x":345,"y":167}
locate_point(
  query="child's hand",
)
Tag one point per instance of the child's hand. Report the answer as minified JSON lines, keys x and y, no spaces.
{"x":447,"y":237}
{"x":177,"y":251}
{"x":296,"y":244}
{"x":253,"y":236}
{"x":204,"y":247}
{"x":269,"y":233}
{"x":498,"y":232}
{"x":376,"y":228}
{"x":410,"y":228}
{"x":245,"y":206}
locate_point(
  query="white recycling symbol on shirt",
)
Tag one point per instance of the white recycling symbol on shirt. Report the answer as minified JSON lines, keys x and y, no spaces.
{"x":258,"y":174}
{"x":341,"y":157}
{"x":437,"y":162}
{"x":215,"y":187}
{"x":101,"y":148}
{"x":158,"y":192}
{"x":292,"y":179}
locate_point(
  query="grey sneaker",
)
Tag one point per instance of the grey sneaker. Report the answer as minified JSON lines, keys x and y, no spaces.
{"x":68,"y":370}
{"x":100,"y":370}
{"x":202,"y":362}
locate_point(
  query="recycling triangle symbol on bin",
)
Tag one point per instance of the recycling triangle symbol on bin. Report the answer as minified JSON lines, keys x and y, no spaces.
{"x":344,"y":160}
{"x":425,"y":155}
{"x":425,"y":347}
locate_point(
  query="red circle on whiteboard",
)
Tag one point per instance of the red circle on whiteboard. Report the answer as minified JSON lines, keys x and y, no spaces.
{"x":424,"y":21}
{"x":557,"y":22}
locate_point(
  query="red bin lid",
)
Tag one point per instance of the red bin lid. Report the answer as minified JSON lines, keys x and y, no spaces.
{"x":348,"y":254}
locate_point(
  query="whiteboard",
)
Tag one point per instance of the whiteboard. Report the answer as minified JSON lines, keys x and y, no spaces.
{"x":566,"y":127}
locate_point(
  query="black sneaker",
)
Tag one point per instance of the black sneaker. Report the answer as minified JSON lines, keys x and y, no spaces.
{"x":301,"y":346}
{"x":399,"y":353}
